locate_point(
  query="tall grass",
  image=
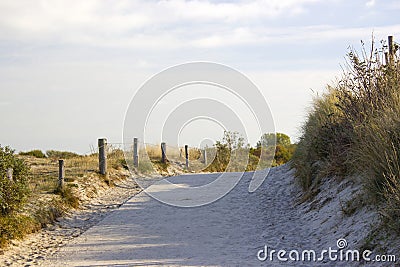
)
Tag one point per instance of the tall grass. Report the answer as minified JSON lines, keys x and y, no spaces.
{"x":322,"y":147}
{"x":354,"y":128}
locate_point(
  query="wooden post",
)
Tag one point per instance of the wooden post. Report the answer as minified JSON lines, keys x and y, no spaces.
{"x":386,"y":58}
{"x":187,"y":156}
{"x":390,"y":43}
{"x":103,"y":156}
{"x":10,"y":174}
{"x":391,"y":50}
{"x":163,"y":153}
{"x":61,"y":174}
{"x":205,"y":156}
{"x":135,"y":153}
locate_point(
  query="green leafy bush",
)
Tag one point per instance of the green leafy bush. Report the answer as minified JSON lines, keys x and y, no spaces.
{"x":278,"y":146}
{"x":232,"y":154}
{"x":12,"y":192}
{"x":231,"y":146}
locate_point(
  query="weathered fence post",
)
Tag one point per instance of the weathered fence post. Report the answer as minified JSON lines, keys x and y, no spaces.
{"x":135,"y":153}
{"x":61,"y":174}
{"x":103,"y":155}
{"x":187,"y":156}
{"x":163,"y":153}
{"x":391,"y":50}
{"x":386,"y":58}
{"x":205,"y":156}
{"x":10,"y":174}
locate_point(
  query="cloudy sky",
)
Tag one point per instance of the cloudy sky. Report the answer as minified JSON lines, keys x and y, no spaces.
{"x":69,"y":69}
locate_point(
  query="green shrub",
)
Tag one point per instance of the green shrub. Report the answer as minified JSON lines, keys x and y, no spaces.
{"x":231,"y":146}
{"x":13,"y":226}
{"x":232,"y":154}
{"x":34,"y":153}
{"x":221,"y":159}
{"x":54,"y":154}
{"x":281,"y":146}
{"x":12,"y":192}
{"x":282,"y":155}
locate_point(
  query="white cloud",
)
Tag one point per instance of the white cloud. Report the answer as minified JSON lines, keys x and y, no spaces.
{"x":164,"y":24}
{"x":129,"y":21}
{"x":370,"y":3}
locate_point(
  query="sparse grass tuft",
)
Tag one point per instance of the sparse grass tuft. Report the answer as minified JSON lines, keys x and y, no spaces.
{"x":47,"y":213}
{"x":145,"y":166}
{"x":68,"y":197}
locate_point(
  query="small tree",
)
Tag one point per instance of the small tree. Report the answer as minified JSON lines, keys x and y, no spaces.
{"x":229,"y":149}
{"x":272,"y":139}
{"x":279,"y":143}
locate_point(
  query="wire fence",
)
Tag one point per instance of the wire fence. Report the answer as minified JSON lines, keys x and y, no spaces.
{"x":45,"y":171}
{"x":150,"y":159}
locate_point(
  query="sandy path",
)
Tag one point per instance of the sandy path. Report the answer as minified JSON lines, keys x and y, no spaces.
{"x":228,"y":232}
{"x":146,"y":232}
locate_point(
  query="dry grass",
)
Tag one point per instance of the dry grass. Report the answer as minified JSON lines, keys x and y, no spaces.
{"x":46,"y":202}
{"x":355,"y":129}
{"x":44,"y":171}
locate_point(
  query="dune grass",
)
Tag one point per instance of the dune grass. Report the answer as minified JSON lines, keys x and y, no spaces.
{"x":354,"y":129}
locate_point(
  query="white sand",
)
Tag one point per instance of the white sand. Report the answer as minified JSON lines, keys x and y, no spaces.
{"x":228,"y":232}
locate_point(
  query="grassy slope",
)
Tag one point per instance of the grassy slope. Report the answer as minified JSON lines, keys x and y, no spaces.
{"x":353,"y":130}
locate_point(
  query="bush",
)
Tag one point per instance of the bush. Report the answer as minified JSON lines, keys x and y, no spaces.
{"x":54,"y":154}
{"x":12,"y":192}
{"x":282,"y":155}
{"x":281,"y":146}
{"x":230,"y":154}
{"x":34,"y":153}
{"x":15,"y":226}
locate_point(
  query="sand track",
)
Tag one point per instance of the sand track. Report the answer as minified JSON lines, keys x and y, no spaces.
{"x":228,"y":232}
